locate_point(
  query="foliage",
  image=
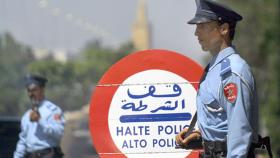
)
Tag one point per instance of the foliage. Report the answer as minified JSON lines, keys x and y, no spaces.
{"x":71,"y":83}
{"x":14,"y":57}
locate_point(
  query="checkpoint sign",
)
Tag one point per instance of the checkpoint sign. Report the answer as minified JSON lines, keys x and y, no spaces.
{"x":142,"y":102}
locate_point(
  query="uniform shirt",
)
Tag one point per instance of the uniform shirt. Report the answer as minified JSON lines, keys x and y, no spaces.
{"x":227,"y":105}
{"x":45,"y":133}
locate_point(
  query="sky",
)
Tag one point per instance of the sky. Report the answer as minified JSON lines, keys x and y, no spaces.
{"x":69,"y":24}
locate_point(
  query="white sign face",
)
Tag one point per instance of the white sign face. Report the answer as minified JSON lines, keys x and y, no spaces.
{"x":148,"y":111}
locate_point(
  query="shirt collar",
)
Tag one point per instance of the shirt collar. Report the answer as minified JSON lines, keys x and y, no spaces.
{"x":41,"y":103}
{"x":221,"y":56}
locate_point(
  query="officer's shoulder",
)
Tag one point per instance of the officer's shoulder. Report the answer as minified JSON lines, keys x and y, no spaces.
{"x":234,"y":64}
{"x":51,"y":106}
{"x":238,"y":64}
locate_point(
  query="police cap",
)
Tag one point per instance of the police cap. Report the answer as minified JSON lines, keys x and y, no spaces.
{"x":35,"y":79}
{"x":209,"y":10}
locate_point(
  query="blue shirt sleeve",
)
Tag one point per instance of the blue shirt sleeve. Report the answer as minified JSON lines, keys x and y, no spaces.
{"x":239,"y":109}
{"x":53,"y":125}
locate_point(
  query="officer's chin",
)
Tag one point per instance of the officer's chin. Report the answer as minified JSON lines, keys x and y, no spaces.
{"x":34,"y":102}
{"x":204,"y":48}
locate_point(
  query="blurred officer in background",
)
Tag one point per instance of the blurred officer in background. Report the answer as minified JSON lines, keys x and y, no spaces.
{"x":227,"y":104}
{"x":42,"y":126}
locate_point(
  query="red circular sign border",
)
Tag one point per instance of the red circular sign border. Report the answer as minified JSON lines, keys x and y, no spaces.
{"x":129,"y":65}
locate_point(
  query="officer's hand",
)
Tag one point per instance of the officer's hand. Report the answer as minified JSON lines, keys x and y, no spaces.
{"x":34,"y":115}
{"x":184,"y":141}
{"x":181,"y":136}
{"x":195,"y":135}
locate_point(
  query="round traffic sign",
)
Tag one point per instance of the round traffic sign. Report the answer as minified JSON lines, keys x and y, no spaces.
{"x":142,"y":102}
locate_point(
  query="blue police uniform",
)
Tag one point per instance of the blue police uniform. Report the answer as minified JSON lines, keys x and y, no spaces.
{"x":46,"y":133}
{"x":42,"y":137}
{"x":227,"y":105}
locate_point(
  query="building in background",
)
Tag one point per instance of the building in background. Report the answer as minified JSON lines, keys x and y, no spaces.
{"x":141,"y":29}
{"x":57,"y":55}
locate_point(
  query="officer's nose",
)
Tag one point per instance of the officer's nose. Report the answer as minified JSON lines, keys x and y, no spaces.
{"x":29,"y":93}
{"x":196,"y":31}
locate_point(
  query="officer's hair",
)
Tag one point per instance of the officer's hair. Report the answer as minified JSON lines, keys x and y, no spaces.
{"x":232,"y":26}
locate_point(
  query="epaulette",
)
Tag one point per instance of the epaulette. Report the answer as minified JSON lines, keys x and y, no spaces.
{"x":51,"y":107}
{"x":225,"y":68}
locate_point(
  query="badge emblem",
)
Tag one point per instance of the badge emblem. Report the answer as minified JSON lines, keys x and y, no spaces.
{"x":57,"y":117}
{"x":230,"y":92}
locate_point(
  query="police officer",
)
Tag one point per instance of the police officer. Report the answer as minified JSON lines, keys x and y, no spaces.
{"x":227,"y":105}
{"x":42,"y":126}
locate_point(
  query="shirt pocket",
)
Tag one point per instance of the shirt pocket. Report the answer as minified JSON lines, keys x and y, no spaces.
{"x":213,"y":112}
{"x":211,"y":104}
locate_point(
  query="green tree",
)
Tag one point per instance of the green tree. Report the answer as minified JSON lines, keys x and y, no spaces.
{"x":71,"y":83}
{"x":14,"y":57}
{"x":60,"y":81}
{"x":94,"y":61}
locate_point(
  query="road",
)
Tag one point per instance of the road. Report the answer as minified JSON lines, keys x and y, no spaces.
{"x":76,"y":141}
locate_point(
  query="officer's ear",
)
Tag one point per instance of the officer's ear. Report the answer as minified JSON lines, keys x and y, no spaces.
{"x":224,"y":29}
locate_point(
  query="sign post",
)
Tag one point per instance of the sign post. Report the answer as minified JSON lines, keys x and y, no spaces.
{"x":142,"y":102}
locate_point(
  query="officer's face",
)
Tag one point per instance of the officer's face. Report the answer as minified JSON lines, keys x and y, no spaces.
{"x":35,"y":93}
{"x":209,"y":36}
